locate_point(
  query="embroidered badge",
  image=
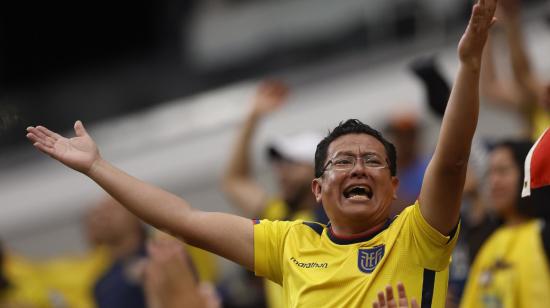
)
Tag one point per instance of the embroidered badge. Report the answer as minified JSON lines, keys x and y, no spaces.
{"x":368,"y":258}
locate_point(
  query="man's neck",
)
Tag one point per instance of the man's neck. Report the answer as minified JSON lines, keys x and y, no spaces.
{"x":350,"y":232}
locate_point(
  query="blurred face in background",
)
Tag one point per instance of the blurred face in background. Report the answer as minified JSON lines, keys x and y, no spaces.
{"x":294,"y":180}
{"x":406,"y":143}
{"x":109,"y":222}
{"x":503,"y":182}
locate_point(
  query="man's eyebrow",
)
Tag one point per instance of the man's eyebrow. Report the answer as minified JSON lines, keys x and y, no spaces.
{"x":351,"y":153}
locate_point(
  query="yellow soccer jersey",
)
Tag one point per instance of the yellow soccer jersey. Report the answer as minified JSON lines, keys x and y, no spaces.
{"x":510,"y":270}
{"x":277,"y":209}
{"x":318,"y":269}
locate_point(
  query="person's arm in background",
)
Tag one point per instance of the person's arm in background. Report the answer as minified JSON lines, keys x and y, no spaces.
{"x":168,"y":279}
{"x":526,"y":80}
{"x":524,"y":91}
{"x":238,"y":180}
{"x":440,"y":196}
{"x":227,"y":235}
{"x":497,"y":91}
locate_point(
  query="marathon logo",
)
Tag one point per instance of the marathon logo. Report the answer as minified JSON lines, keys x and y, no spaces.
{"x":309,"y":264}
{"x":368,"y":258}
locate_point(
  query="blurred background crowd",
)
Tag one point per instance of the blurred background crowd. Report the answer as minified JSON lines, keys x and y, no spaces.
{"x":223,"y":102}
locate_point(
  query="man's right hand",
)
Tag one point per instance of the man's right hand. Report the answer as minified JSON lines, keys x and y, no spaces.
{"x":269,"y":96}
{"x":79,"y":153}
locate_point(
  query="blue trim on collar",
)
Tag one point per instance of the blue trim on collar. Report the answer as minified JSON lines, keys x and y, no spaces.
{"x":344,"y":241}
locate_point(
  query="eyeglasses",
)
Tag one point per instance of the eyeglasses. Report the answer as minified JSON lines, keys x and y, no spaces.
{"x":347,"y":162}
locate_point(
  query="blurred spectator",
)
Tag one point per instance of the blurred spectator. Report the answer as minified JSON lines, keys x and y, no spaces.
{"x":169,"y":279}
{"x":58,"y":274}
{"x":510,"y":269}
{"x":526,"y":93}
{"x":16,"y":291}
{"x":124,"y":236}
{"x":292,"y":159}
{"x":477,"y":224}
{"x":404,"y":131}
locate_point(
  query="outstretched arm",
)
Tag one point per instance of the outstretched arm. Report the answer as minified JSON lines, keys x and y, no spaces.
{"x":440,"y":196}
{"x":238,"y":181}
{"x":226,"y":235}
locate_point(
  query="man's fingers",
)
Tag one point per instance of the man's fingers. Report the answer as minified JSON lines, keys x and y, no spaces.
{"x":375,"y":305}
{"x":37,"y":132}
{"x":381,"y":299}
{"x":48,"y":132}
{"x":79,"y":129}
{"x":414,"y":303}
{"x":402,"y":295}
{"x":389,"y":293}
{"x":474,"y":18}
{"x":36,"y":136}
{"x":37,"y":139}
{"x":33,"y":138}
{"x":401,"y":290}
{"x":46,"y":149}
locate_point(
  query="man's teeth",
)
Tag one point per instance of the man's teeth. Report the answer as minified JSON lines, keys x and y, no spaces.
{"x":358,"y":197}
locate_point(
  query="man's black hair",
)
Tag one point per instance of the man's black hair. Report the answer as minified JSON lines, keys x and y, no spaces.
{"x":519,"y":149}
{"x":352,"y":126}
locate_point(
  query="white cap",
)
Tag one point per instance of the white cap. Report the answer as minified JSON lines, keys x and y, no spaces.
{"x":298,"y":148}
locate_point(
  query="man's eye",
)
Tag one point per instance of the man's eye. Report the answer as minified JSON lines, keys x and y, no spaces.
{"x":343,"y":162}
{"x":373,"y":162}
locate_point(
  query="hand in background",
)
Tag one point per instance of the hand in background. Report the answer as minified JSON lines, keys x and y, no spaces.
{"x":269,"y":96}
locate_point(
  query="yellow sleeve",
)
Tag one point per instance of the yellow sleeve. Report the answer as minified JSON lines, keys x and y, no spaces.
{"x":269,"y":240}
{"x":433,"y":249}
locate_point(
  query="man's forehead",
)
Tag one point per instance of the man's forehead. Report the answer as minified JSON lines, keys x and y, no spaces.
{"x":356,"y":143}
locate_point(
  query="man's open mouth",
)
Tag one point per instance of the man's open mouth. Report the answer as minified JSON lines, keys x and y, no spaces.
{"x":358,"y":192}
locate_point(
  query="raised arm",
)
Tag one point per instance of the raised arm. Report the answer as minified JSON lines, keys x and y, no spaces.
{"x":498,"y":92}
{"x":440,"y":196}
{"x":238,"y":181}
{"x":226,"y":235}
{"x":524,"y":76}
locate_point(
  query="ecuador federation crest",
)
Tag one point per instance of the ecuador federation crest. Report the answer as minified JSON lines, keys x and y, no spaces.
{"x":368,"y":258}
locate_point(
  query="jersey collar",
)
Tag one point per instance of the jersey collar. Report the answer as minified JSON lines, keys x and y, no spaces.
{"x":358,"y":238}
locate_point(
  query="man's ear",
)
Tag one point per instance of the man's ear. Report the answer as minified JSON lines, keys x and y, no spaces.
{"x":395,"y":184}
{"x":316,"y":185}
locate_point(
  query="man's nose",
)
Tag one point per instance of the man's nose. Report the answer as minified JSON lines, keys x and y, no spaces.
{"x":359,"y":169}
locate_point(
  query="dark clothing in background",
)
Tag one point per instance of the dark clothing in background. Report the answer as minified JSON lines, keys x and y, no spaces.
{"x":117,"y":288}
